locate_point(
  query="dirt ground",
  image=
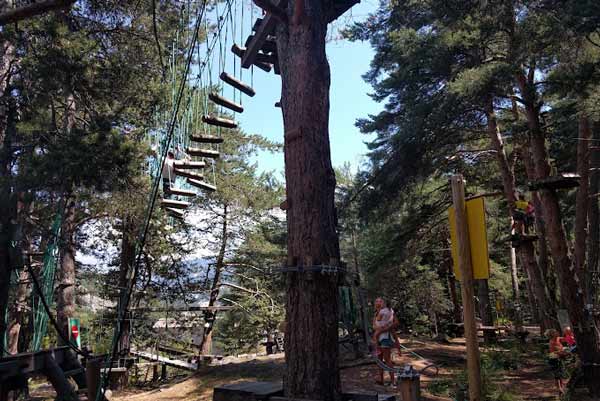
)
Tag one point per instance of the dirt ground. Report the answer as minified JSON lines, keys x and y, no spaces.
{"x":532,"y":381}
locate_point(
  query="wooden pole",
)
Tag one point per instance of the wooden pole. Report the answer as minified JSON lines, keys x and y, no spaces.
{"x":467,"y":290}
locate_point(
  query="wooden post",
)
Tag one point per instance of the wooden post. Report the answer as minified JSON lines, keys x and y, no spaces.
{"x":466,"y":272}
{"x":92,"y":376}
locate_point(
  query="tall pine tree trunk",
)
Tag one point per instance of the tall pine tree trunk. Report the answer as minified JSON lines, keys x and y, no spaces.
{"x":65,"y":294}
{"x":210,"y":316}
{"x":593,"y":220}
{"x":7,"y":202}
{"x":525,"y":251}
{"x":125,"y":269}
{"x":312,"y":299}
{"x":588,"y":338}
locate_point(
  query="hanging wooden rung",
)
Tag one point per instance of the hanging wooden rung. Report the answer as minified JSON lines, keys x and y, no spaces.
{"x":175,"y":212}
{"x":219,"y":121}
{"x":201,"y":184}
{"x":278,"y":104}
{"x":237,"y":84}
{"x":203,"y":152}
{"x":181,"y":192}
{"x":239,"y":51}
{"x":221,"y":101}
{"x":189,"y":174}
{"x":174,"y":204}
{"x":206,"y":138}
{"x":188,"y":165}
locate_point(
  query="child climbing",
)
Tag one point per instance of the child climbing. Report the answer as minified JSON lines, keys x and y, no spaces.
{"x":168,"y":174}
{"x":569,"y":339}
{"x":556,"y":358}
{"x":520,"y":215}
{"x":383,"y":324}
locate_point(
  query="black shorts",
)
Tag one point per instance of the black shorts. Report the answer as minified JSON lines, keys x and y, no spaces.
{"x":558,"y":367}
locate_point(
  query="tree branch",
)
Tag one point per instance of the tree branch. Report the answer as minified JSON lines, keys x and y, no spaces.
{"x":32,"y":10}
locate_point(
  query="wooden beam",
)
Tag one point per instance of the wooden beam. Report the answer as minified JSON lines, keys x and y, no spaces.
{"x":201,"y":184}
{"x":188,"y":165}
{"x":181,"y":192}
{"x":260,"y":35}
{"x":206,"y":139}
{"x":203,"y":152}
{"x":468,"y":293}
{"x":32,"y":10}
{"x":239,"y":51}
{"x":189,"y":174}
{"x":167,"y":203}
{"x":236,"y":83}
{"x":219,"y":121}
{"x":221,"y":101}
{"x":272,"y":8}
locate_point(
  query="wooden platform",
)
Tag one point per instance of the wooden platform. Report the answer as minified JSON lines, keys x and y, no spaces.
{"x":248,"y":391}
{"x":169,"y":362}
{"x":560,"y":181}
{"x":273,"y":391}
{"x":340,"y":7}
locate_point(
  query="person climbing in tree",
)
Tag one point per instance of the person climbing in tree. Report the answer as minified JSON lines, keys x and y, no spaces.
{"x":529,"y":217}
{"x":383,"y":324}
{"x":168,"y":174}
{"x":519,"y":215}
{"x":569,"y":339}
{"x":556,"y":358}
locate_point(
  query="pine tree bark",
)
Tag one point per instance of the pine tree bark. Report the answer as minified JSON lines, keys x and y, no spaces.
{"x":210,"y":316}
{"x":125,"y":268}
{"x":456,"y":311}
{"x":525,"y":251}
{"x":65,"y":293}
{"x":588,"y":338}
{"x":485,"y":309}
{"x":312,"y":300}
{"x":582,"y":197}
{"x":593,"y":220}
{"x":7,"y":201}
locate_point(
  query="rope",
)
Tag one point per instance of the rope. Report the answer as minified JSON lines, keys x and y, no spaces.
{"x":127,"y":296}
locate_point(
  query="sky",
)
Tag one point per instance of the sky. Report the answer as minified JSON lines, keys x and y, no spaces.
{"x":348,"y":97}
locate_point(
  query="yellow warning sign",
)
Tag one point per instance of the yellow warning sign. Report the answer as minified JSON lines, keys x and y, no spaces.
{"x":478,"y":243}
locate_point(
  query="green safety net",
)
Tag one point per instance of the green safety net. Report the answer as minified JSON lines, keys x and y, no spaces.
{"x":46,"y":279}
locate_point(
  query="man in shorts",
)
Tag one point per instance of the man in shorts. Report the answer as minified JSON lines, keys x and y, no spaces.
{"x":383,"y":323}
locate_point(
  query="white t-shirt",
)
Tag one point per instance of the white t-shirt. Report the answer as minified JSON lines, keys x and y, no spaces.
{"x":168,"y":170}
{"x":387,"y":317}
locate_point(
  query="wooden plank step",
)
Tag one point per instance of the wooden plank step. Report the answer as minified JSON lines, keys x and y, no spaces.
{"x":174,"y":204}
{"x":268,"y":46}
{"x":206,"y":139}
{"x":188,"y":165}
{"x":239,"y":51}
{"x":203,"y":152}
{"x":262,"y":31}
{"x":219,"y":121}
{"x":278,"y":104}
{"x":189,"y":174}
{"x":237,"y":84}
{"x":221,"y":101}
{"x":181,"y":192}
{"x":201,"y":184}
{"x":175,"y":213}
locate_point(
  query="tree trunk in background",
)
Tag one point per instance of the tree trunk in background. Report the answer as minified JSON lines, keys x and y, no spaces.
{"x":210,"y":316}
{"x":510,"y":193}
{"x":588,"y":338}
{"x":19,"y":308}
{"x":65,"y":294}
{"x":545,"y":268}
{"x":311,"y":334}
{"x":594,"y":221}
{"x":582,"y":198}
{"x":485,"y":309}
{"x":7,"y":203}
{"x":125,"y":270}
{"x":456,"y":312}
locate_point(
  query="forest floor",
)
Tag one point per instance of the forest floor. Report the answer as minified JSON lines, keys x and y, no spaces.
{"x":529,"y":378}
{"x":532,"y":380}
